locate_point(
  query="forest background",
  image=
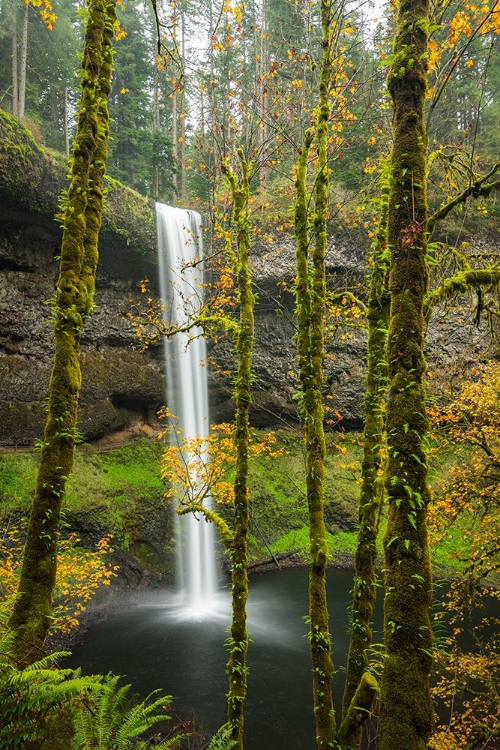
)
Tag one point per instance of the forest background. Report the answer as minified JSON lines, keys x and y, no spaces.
{"x":231,"y":72}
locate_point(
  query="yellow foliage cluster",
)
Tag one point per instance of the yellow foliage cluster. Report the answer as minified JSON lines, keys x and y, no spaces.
{"x":345,"y":317}
{"x":471,"y":19}
{"x":46,"y":11}
{"x":470,"y":496}
{"x":472,"y":418}
{"x":80,"y":573}
{"x":467,"y":687}
{"x":196,"y":468}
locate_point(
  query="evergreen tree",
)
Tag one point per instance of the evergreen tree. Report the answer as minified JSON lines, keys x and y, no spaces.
{"x":130,"y":105}
{"x":52,"y":81}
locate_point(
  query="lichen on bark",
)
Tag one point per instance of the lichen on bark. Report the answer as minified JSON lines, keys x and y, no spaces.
{"x":30,"y":618}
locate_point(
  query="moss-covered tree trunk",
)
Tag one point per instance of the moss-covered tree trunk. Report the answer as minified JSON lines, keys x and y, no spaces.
{"x":310,"y":305}
{"x":371,"y":496}
{"x":406,"y":714}
{"x":238,"y":644}
{"x":30,"y":618}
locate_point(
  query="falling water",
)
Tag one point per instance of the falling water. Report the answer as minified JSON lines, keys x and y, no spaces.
{"x":181,"y":285}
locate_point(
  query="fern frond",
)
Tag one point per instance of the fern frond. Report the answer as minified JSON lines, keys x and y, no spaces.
{"x":104,"y":722}
{"x":222,"y":739}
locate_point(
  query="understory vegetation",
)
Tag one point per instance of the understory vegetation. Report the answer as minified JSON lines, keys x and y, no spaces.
{"x":113,"y":492}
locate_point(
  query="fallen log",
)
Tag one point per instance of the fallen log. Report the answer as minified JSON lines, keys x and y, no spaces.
{"x":271,"y":560}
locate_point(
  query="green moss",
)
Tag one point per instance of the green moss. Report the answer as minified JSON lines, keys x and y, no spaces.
{"x":148,"y":557}
{"x":372,"y":491}
{"x":33,"y":178}
{"x":118,"y":492}
{"x":238,"y":642}
{"x":23,"y":163}
{"x":310,"y":295}
{"x":339,"y":543}
{"x":30,"y":616}
{"x":406,"y":714}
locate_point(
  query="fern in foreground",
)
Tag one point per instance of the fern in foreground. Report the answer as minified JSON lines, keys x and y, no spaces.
{"x":45,"y":707}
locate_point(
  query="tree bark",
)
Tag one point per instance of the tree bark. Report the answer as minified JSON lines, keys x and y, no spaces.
{"x":237,"y":667}
{"x":372,"y":490}
{"x":30,"y":618}
{"x":24,"y":63}
{"x":66,"y":121}
{"x":310,"y":306}
{"x":406,"y":714}
{"x":15,"y":81}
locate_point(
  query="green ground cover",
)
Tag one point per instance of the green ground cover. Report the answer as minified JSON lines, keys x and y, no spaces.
{"x":116,"y":490}
{"x":109,"y":491}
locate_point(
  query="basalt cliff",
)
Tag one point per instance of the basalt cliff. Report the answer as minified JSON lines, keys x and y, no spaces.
{"x":123,"y":388}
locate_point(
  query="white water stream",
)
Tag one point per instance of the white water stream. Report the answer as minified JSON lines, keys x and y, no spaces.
{"x":180,"y":242}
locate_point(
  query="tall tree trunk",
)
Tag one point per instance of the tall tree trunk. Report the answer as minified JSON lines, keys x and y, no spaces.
{"x":310,"y":304}
{"x":30,"y":618}
{"x":66,"y":121}
{"x":24,"y":64}
{"x":372,"y":491}
{"x":237,"y":668}
{"x":156,"y":133}
{"x":175,"y":137}
{"x":262,"y":114}
{"x":175,"y":146}
{"x":406,"y":714}
{"x":182,"y":114}
{"x":15,"y":81}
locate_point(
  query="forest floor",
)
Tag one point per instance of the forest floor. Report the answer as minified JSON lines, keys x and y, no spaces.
{"x":116,"y":488}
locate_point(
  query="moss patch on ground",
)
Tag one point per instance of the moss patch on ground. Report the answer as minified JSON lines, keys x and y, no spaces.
{"x":118,"y":491}
{"x":278,"y":496}
{"x":121,"y":491}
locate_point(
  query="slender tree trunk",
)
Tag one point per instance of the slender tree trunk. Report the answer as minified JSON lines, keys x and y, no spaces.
{"x":15,"y":82}
{"x":354,"y":711}
{"x":406,"y":715}
{"x":237,"y":667}
{"x":30,"y":618}
{"x":175,"y":146}
{"x":261,"y":84}
{"x":156,"y":133}
{"x":182,"y":114}
{"x":24,"y":64}
{"x":202,"y":113}
{"x":310,"y":304}
{"x":66,"y":122}
{"x":175,"y":143}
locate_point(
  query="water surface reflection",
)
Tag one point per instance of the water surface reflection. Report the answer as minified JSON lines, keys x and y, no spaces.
{"x":156,"y":646}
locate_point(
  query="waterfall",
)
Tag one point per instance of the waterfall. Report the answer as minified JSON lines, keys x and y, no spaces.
{"x":180,"y":242}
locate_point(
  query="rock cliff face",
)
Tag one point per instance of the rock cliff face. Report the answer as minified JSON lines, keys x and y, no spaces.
{"x":122,"y":387}
{"x":276,"y":382}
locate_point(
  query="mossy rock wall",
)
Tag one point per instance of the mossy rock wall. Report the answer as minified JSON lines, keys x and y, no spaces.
{"x":31,"y":182}
{"x":121,"y":387}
